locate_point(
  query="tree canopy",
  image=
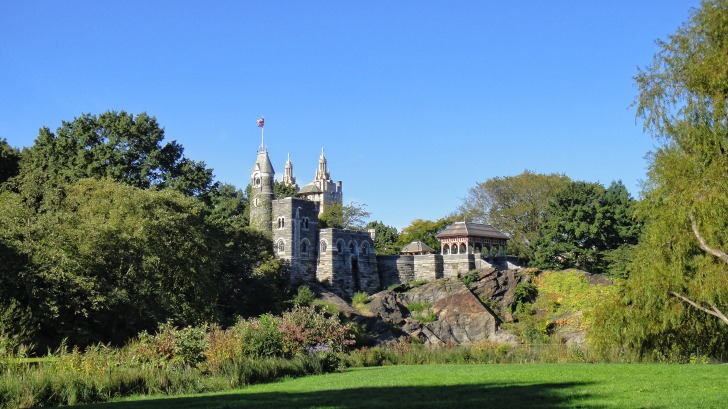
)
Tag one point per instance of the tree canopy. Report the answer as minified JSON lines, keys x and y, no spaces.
{"x":385,"y":238}
{"x":583,"y":223}
{"x":424,"y":231}
{"x":675,"y":296}
{"x":350,"y":216}
{"x":115,"y":145}
{"x":516,"y":205}
{"x":105,"y":231}
{"x":9,"y":158}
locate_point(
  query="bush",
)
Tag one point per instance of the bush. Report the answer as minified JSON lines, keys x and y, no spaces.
{"x":304,"y":297}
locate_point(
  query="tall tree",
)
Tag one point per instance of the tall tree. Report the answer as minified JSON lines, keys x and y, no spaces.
{"x":9,"y":158}
{"x":116,"y":145}
{"x":350,"y":216}
{"x":515,"y":205}
{"x":385,"y":238}
{"x":424,"y":231}
{"x":678,"y":286}
{"x":584,"y":223}
{"x":281,"y":190}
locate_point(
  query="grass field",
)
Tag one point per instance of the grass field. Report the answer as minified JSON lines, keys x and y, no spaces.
{"x":477,"y":386}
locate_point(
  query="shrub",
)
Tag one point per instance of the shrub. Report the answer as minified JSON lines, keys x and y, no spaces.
{"x":304,"y":297}
{"x":421,"y":312}
{"x":359,"y":302}
{"x":470,"y":278}
{"x":170,"y":346}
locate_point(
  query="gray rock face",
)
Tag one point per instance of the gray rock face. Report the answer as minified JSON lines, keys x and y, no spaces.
{"x":388,"y":307}
{"x":499,"y":286}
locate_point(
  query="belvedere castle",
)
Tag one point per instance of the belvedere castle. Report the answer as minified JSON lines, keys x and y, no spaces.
{"x":344,"y":260}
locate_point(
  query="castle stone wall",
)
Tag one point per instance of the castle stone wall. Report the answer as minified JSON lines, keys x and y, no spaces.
{"x":295,"y":236}
{"x":395,"y":269}
{"x":428,"y":267}
{"x":347,"y":261}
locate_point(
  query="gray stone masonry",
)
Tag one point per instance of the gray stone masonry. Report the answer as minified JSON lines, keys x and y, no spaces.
{"x":395,"y":269}
{"x":295,"y":236}
{"x":347,"y":262}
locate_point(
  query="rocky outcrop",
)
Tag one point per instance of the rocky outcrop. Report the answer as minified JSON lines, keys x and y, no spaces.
{"x":459,"y":316}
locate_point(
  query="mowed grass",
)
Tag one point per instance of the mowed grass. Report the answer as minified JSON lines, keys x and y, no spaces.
{"x":477,"y":386}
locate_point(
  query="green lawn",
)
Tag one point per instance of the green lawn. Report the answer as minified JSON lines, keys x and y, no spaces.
{"x":478,"y":386}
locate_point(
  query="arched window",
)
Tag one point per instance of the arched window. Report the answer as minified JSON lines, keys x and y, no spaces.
{"x":257,"y":181}
{"x":463,"y":249}
{"x":281,"y":222}
{"x":322,"y":245}
{"x":340,"y":246}
{"x":304,"y":223}
{"x":364,"y":248}
{"x":257,"y":202}
{"x":352,"y":247}
{"x":446,"y":249}
{"x":304,"y":247}
{"x":281,"y":246}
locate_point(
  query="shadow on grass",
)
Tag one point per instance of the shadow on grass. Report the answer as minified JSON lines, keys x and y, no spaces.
{"x":540,"y":396}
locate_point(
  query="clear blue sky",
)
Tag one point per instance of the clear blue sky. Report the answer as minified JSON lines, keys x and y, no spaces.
{"x":414,"y":101}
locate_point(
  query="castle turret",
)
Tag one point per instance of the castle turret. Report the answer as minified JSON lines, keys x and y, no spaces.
{"x":261,"y":197}
{"x":322,"y":190}
{"x":288,"y":178}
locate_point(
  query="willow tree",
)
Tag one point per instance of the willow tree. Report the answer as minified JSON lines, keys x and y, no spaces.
{"x":676,"y":298}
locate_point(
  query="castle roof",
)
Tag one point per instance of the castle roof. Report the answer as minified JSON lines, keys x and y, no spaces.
{"x":262,"y":163}
{"x":417,"y":247}
{"x":309,"y":188}
{"x":468,"y":229}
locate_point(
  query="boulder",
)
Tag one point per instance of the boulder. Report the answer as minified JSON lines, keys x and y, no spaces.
{"x":461,"y":319}
{"x":387,"y":306}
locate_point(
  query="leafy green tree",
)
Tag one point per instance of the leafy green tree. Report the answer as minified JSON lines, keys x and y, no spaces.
{"x":583,"y":223}
{"x":385,"y":238}
{"x":350,"y":216}
{"x":9,"y":158}
{"x":228,"y":207}
{"x":516,"y":205}
{"x":115,"y":145}
{"x":575,"y":230}
{"x":674,"y":300}
{"x":424,"y":231}
{"x":282,"y":190}
{"x":114,"y":260}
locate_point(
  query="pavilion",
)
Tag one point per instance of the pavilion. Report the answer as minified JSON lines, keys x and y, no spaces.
{"x":473,"y":238}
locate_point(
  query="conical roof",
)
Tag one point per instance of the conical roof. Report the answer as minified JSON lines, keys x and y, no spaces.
{"x":262,"y":163}
{"x":417,"y":247}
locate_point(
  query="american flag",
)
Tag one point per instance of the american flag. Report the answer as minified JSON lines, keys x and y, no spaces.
{"x":261,"y":122}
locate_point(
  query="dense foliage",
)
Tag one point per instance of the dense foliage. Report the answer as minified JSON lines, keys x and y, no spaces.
{"x":105,"y":232}
{"x":585,"y":223}
{"x":516,"y":205}
{"x":424,"y":231}
{"x":176,"y":360}
{"x":385,"y":238}
{"x":344,"y":216}
{"x":673,"y":302}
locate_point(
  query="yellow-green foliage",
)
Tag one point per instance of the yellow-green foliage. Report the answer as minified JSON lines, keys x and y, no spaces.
{"x":565,"y":292}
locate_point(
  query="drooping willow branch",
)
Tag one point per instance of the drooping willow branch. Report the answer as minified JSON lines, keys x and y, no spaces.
{"x":713,"y":310}
{"x":703,"y":245}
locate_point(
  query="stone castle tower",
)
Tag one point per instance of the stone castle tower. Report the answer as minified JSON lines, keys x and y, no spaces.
{"x":322,"y":190}
{"x":288,"y":178}
{"x":261,"y":198}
